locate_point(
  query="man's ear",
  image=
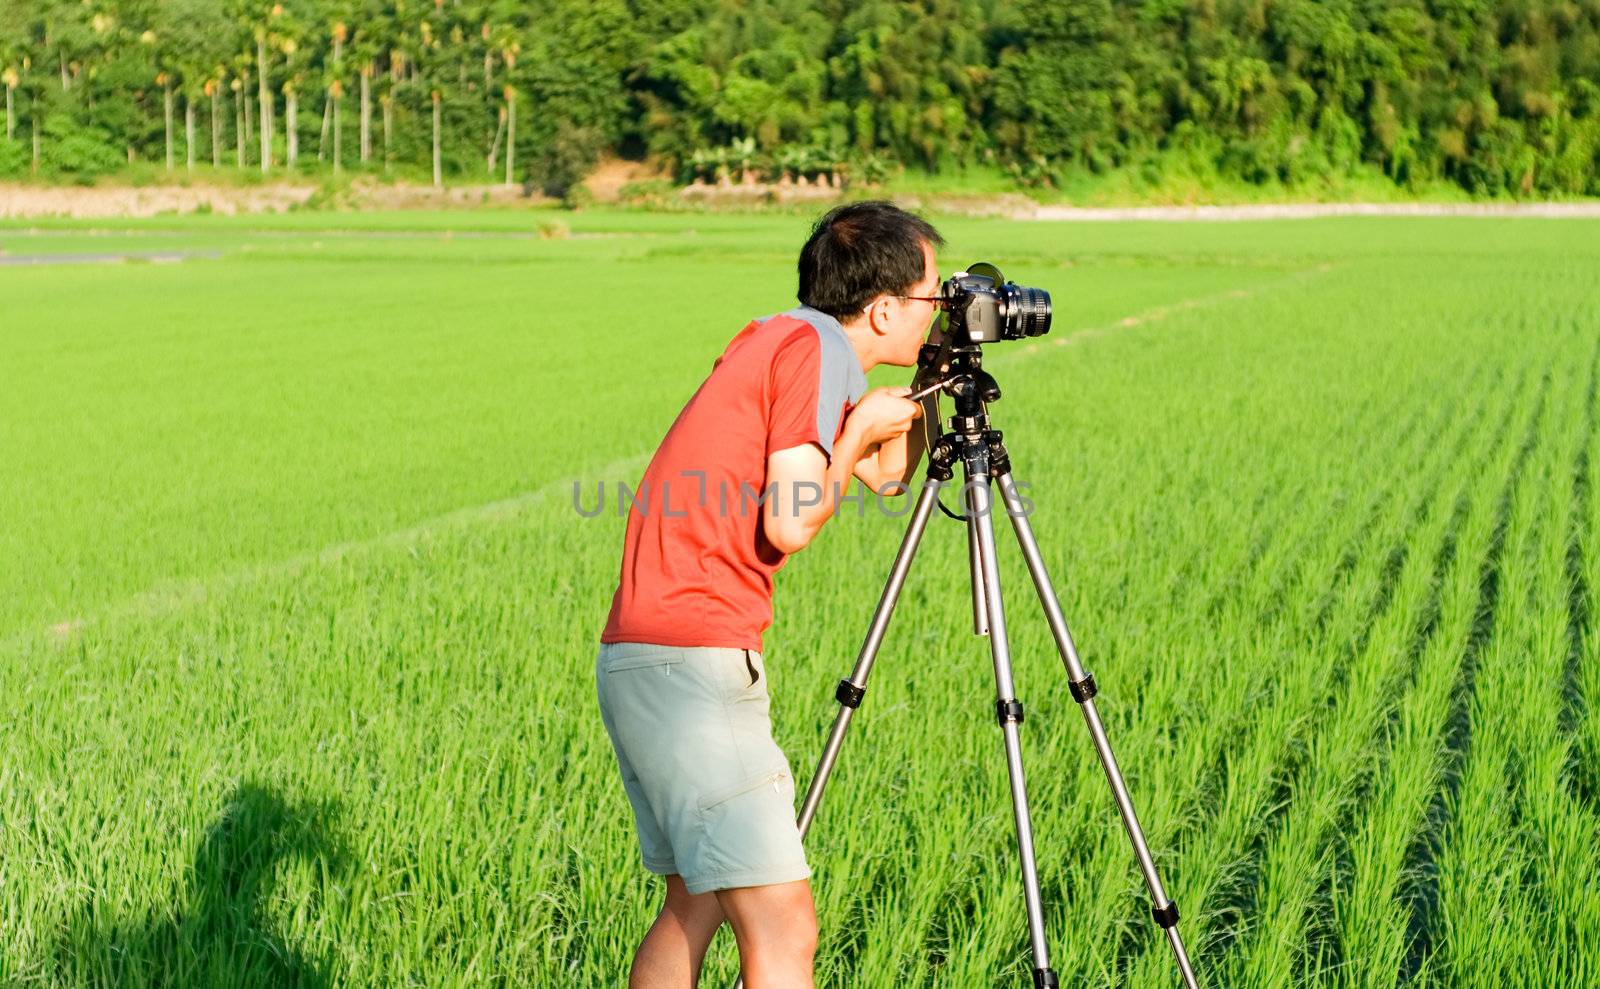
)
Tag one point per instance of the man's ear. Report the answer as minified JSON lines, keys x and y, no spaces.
{"x":878,"y":315}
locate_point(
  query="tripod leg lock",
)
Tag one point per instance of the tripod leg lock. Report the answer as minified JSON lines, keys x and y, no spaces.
{"x":1008,"y":711}
{"x":849,"y":694}
{"x":1083,"y":689}
{"x":1044,"y":978}
{"x":1166,"y":916}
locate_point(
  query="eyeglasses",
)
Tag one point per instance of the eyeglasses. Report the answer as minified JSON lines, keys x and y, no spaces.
{"x":935,"y":299}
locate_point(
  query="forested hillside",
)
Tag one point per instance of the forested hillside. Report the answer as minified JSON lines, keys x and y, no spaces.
{"x":1496,"y":96}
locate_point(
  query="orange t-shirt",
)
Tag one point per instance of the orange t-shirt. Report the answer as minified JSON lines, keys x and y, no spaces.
{"x":697,"y":568}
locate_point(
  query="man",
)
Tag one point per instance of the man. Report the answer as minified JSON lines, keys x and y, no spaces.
{"x":753,"y":466}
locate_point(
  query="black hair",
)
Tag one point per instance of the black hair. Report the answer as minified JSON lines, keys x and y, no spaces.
{"x":859,"y":251}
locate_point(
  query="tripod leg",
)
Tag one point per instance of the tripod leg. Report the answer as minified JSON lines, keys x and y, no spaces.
{"x":980,"y":607}
{"x":1083,"y":690}
{"x":1009,"y":712}
{"x":850,"y":692}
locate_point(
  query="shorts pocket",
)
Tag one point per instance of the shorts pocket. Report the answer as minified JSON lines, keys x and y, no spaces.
{"x":639,"y":659}
{"x":742,"y":674}
{"x":774,"y":777}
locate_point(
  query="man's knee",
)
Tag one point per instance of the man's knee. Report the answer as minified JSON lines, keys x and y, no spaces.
{"x":693,"y":909}
{"x":804,"y":935}
{"x":773,"y":921}
{"x":794,"y":933}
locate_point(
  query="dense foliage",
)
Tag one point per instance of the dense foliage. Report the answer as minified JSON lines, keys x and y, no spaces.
{"x":1494,"y":95}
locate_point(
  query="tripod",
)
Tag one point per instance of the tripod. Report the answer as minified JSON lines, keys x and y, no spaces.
{"x":986,"y":465}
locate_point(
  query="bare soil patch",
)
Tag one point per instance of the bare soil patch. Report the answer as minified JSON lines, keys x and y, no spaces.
{"x":611,"y":177}
{"x":18,"y":201}
{"x":27,"y":201}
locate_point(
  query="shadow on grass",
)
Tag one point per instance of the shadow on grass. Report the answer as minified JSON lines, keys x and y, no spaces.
{"x":216,"y":933}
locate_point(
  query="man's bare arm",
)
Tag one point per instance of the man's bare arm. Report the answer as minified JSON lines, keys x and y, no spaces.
{"x":806,"y":489}
{"x":888,"y":464}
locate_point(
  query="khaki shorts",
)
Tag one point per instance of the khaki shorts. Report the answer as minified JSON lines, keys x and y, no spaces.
{"x":712,"y":794}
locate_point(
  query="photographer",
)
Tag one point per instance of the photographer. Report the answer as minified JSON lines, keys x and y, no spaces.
{"x":753,"y":466}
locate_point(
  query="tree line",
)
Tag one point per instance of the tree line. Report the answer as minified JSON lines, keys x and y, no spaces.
{"x":1498,"y":96}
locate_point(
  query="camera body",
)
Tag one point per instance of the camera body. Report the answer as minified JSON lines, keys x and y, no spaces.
{"x":982,"y":307}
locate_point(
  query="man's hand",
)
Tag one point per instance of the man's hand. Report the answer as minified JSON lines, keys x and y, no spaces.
{"x":885,"y":458}
{"x":804,"y":474}
{"x":883,"y":414}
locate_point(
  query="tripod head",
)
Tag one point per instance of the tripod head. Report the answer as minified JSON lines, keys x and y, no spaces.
{"x":957,"y":372}
{"x":971,"y":387}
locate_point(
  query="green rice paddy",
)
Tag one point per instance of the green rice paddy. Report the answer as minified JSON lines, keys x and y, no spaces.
{"x":298,"y":620}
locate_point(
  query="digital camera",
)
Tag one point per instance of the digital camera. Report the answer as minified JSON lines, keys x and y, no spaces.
{"x":982,"y":307}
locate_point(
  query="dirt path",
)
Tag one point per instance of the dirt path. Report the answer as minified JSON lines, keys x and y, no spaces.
{"x":27,"y":201}
{"x":18,"y":201}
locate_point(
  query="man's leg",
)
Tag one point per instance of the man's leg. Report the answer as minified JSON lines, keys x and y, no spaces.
{"x":673,"y":950}
{"x":776,"y":929}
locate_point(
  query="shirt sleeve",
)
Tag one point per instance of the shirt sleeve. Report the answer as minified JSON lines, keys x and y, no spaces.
{"x":810,"y":388}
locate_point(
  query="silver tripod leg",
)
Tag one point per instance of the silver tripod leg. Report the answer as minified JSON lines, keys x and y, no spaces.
{"x":980,"y":606}
{"x":851,"y":691}
{"x":981,"y":521}
{"x":1083,"y":689}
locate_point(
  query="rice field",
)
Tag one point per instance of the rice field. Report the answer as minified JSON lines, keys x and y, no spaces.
{"x":298,"y":618}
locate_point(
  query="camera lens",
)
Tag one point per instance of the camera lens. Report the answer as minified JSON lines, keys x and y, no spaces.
{"x":1027,"y":312}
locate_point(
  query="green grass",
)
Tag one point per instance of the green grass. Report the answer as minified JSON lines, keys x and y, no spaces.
{"x":297,"y":621}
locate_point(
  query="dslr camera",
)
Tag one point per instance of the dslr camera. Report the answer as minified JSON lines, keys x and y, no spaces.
{"x":980,"y":306}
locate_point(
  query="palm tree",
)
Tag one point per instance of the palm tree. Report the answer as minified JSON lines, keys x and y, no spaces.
{"x":190,"y":39}
{"x":70,"y":34}
{"x":386,"y":101}
{"x":11,"y":78}
{"x":386,"y":106}
{"x":430,"y":58}
{"x":244,"y":110}
{"x":486,"y":32}
{"x":510,"y":55}
{"x":335,"y":98}
{"x":213,"y":89}
{"x":264,"y":97}
{"x":367,"y":68}
{"x":438,"y":173}
{"x":241,"y":118}
{"x":494,"y":145}
{"x":373,"y":46}
{"x":25,"y":33}
{"x":284,"y":35}
{"x":33,"y":118}
{"x":164,"y":80}
{"x":171,"y":57}
{"x":291,"y":103}
{"x":14,"y":35}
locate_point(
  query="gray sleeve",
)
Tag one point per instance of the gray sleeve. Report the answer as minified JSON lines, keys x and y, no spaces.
{"x":836,"y":386}
{"x":839,"y":375}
